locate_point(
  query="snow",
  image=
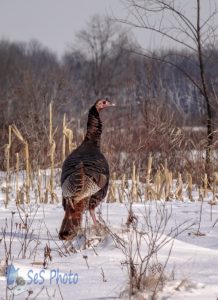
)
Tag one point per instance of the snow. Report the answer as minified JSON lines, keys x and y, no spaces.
{"x":191,"y":271}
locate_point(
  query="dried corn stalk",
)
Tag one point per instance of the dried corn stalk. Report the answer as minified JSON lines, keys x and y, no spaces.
{"x":39,"y":186}
{"x":17,"y":178}
{"x":148,"y":190}
{"x":134,"y":187}
{"x":214,"y":187}
{"x":158,"y":181}
{"x":64,"y":140}
{"x":205,"y":185}
{"x":149,"y":169}
{"x":7,"y":158}
{"x":178,"y":193}
{"x":123,"y":186}
{"x":51,"y":154}
{"x":190,"y":186}
{"x":69,"y":135}
{"x":112,"y":189}
{"x":26,"y":156}
{"x":7,"y":150}
{"x":168,"y":184}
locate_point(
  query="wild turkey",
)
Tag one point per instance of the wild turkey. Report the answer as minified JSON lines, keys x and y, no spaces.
{"x":85,"y":175}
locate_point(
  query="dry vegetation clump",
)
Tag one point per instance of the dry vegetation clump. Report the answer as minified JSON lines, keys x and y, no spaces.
{"x":141,"y":243}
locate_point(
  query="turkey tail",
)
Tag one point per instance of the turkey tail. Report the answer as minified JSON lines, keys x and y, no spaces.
{"x":72,"y":219}
{"x":74,"y":182}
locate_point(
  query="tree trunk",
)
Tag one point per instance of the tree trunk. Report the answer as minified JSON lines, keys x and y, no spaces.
{"x":206,"y":96}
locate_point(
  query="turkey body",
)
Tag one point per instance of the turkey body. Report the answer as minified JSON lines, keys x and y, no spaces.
{"x":84,"y":163}
{"x":84,"y":178}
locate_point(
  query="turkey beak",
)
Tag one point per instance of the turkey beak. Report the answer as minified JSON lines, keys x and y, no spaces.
{"x":111,"y":103}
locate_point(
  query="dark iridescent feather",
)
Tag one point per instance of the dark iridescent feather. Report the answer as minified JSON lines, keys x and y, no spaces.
{"x":85,"y":170}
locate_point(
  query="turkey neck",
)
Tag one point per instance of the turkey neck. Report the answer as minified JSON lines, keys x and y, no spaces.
{"x":94,"y":127}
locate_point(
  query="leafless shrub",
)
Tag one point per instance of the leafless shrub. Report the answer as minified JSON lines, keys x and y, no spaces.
{"x":25,"y":230}
{"x":141,"y":243}
{"x":12,"y":234}
{"x":47,"y":256}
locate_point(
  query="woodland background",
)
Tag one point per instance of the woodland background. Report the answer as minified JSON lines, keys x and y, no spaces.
{"x":159,"y":111}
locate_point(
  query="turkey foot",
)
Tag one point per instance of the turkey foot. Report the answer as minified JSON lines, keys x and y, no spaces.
{"x":98,"y":227}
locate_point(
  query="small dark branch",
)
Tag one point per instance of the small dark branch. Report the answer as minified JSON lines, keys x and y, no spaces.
{"x":103,"y":275}
{"x":157,"y":31}
{"x":37,"y":295}
{"x":163,"y":60}
{"x":62,"y":298}
{"x":205,"y":94}
{"x":86,"y":260}
{"x":47,"y":256}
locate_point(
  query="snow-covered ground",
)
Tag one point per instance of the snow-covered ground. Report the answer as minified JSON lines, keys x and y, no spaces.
{"x":189,"y":253}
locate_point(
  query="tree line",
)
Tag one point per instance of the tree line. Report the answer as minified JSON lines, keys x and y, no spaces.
{"x":105,"y":60}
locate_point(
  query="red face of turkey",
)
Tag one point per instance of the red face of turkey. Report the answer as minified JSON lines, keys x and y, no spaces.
{"x":103,"y":103}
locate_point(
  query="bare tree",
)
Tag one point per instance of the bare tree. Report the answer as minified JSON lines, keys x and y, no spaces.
{"x":172,"y":21}
{"x":103,"y":43}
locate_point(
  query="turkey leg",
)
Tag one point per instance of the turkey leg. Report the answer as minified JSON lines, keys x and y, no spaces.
{"x":92,"y":214}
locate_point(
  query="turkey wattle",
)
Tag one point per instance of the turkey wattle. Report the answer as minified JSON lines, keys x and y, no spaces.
{"x":85,"y":175}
